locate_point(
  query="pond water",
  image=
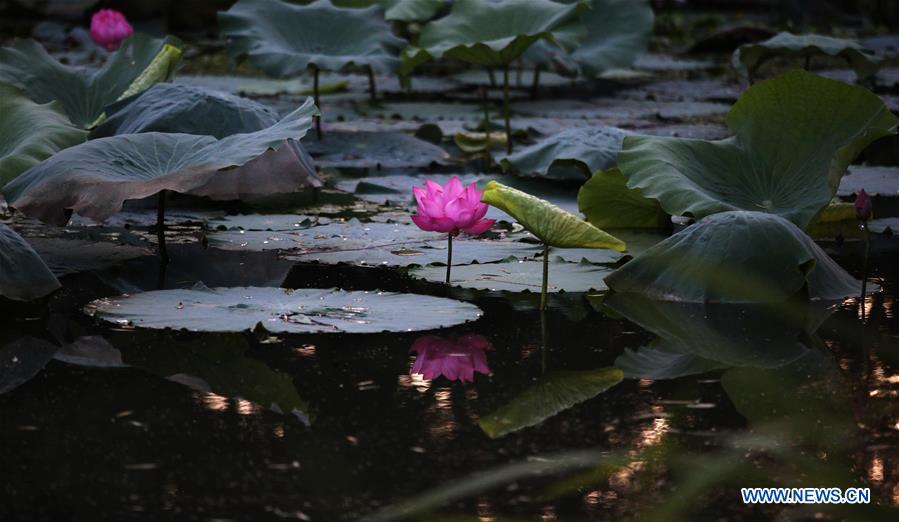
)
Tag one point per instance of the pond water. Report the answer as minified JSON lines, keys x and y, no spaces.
{"x":359,"y":437}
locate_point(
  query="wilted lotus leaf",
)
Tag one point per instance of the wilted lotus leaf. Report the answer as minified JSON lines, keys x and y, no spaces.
{"x":794,"y":137}
{"x":588,"y":149}
{"x":749,"y":57}
{"x":281,"y":310}
{"x":735,"y":257}
{"x":608,"y":203}
{"x":30,"y":133}
{"x":284,"y":39}
{"x":84,"y":94}
{"x":23,"y":275}
{"x":95,"y":178}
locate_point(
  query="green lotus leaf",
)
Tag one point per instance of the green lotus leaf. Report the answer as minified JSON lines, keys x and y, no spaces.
{"x":794,"y":137}
{"x":588,"y":149}
{"x":23,"y":274}
{"x":284,"y":39}
{"x":281,"y":310}
{"x":84,"y":94}
{"x":167,"y":107}
{"x":411,"y":10}
{"x":30,"y":132}
{"x":735,"y":257}
{"x":608,"y":203}
{"x":496,"y":33}
{"x":749,"y":57}
{"x":551,"y":395}
{"x":95,"y":178}
{"x":549,"y":223}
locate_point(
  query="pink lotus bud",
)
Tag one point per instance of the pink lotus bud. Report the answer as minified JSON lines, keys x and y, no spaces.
{"x":863,"y":208}
{"x":108,"y":28}
{"x":457,"y":359}
{"x":451,"y":209}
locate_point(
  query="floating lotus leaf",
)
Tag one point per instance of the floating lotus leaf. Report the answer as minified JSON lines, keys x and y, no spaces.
{"x":735,"y":257}
{"x":659,"y":361}
{"x":496,"y":33}
{"x":749,"y":57}
{"x":551,"y":395}
{"x":71,"y":256}
{"x":384,"y":150}
{"x":794,"y":137}
{"x":880,"y":181}
{"x":587,"y":148}
{"x":84,"y":94}
{"x":167,"y":107}
{"x":281,"y":310}
{"x":284,"y":39}
{"x":30,"y":132}
{"x":95,"y":178}
{"x":608,"y":203}
{"x":520,"y":275}
{"x":551,"y":224}
{"x":23,"y":275}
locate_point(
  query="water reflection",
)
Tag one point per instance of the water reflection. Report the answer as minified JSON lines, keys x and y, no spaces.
{"x":456,"y":358}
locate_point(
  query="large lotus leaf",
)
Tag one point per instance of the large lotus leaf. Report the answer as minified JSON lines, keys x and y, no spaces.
{"x":658,"y":361}
{"x":83,"y":93}
{"x":411,"y":10}
{"x":22,"y":359}
{"x":383,"y":150}
{"x":496,"y":33}
{"x":167,"y":107}
{"x":520,"y":275}
{"x":551,"y":224}
{"x":587,"y":148}
{"x":95,"y":178}
{"x":30,"y":132}
{"x":23,"y":275}
{"x":749,"y":57}
{"x":608,"y":203}
{"x":735,"y":257}
{"x":284,"y":39}
{"x":551,"y":395}
{"x":281,"y":310}
{"x":795,"y":135}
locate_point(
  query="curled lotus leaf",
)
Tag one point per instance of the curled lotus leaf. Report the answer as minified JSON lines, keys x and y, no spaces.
{"x":23,"y":274}
{"x":749,"y":57}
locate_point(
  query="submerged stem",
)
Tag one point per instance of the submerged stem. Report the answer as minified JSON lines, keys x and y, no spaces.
{"x":449,"y":256}
{"x":536,"y":85}
{"x":318,"y":119}
{"x":371,"y":83}
{"x":867,"y":234}
{"x":160,"y":228}
{"x":506,"y":109}
{"x":545,"y":277}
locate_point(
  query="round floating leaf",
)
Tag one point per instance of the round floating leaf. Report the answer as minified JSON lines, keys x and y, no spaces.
{"x":552,"y":395}
{"x":386,"y":150}
{"x":71,"y":256}
{"x":749,"y":57}
{"x":735,"y":257}
{"x":551,"y":224}
{"x":30,"y":133}
{"x":95,"y":178}
{"x":82,"y":93}
{"x":281,"y":310}
{"x":167,"y":107}
{"x":587,"y":148}
{"x":284,"y":39}
{"x":880,"y":181}
{"x":496,"y":33}
{"x":794,"y":137}
{"x":23,"y":275}
{"x":517,"y":275}
{"x":608,"y":203}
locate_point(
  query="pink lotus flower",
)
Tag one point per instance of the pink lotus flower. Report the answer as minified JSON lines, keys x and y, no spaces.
{"x":451,"y":209}
{"x":108,"y":28}
{"x":864,"y":210}
{"x":457,"y":359}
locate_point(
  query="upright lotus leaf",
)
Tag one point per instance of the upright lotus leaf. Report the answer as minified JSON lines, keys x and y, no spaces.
{"x":83,"y":93}
{"x":607,"y":202}
{"x":735,"y":257}
{"x":587,"y":149}
{"x":167,"y":107}
{"x":794,"y":137}
{"x":411,"y":10}
{"x":95,"y":178}
{"x":749,"y":57}
{"x":551,"y":224}
{"x":23,"y":275}
{"x":284,"y":39}
{"x":551,"y":395}
{"x":30,"y":132}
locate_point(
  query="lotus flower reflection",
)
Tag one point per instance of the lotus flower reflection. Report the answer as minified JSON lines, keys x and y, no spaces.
{"x":108,"y":28}
{"x":457,"y":359}
{"x":451,"y":209}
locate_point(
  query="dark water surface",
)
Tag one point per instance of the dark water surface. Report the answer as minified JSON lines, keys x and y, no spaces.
{"x":367,"y":439}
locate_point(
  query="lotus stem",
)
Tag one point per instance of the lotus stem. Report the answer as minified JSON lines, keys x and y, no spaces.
{"x":491,"y":76}
{"x":545,"y":277}
{"x":543,"y":337}
{"x":506,"y":109}
{"x":160,"y":228}
{"x":519,"y":69}
{"x":486,"y":119}
{"x":867,"y":236}
{"x":449,"y":256}
{"x":808,"y":62}
{"x":536,"y":84}
{"x":371,"y":83}
{"x":318,"y":118}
